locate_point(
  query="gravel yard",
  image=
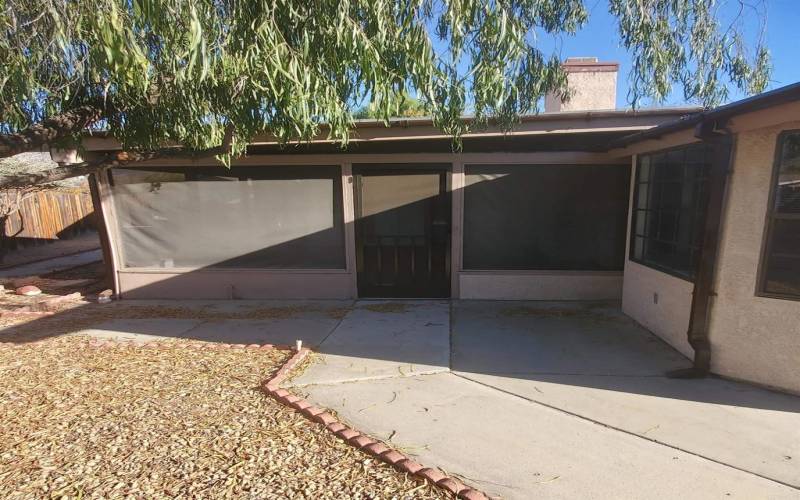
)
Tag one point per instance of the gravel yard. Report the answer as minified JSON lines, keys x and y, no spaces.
{"x":80,"y":421}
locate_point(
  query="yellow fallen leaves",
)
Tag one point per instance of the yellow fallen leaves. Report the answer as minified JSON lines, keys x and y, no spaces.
{"x":78,"y":421}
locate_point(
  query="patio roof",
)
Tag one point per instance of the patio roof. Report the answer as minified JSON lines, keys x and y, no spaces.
{"x":562,"y":131}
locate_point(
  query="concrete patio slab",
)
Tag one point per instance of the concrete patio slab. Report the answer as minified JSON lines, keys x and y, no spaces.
{"x":590,"y":360}
{"x":579,"y":338}
{"x":739,"y":425}
{"x":384,"y":339}
{"x":141,"y":330}
{"x":509,"y":446}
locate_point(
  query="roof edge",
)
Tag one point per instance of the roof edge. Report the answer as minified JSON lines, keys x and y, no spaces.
{"x":750,"y":104}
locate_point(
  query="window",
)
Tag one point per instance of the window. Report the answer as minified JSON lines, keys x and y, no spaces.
{"x":780,"y":268}
{"x":669,"y":205}
{"x":545,"y":217}
{"x":243,"y":217}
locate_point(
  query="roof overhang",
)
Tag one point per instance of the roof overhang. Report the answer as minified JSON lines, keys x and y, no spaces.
{"x":717,"y":117}
{"x":563,"y":131}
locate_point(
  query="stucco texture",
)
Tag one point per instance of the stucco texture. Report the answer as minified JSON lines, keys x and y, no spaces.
{"x":659,"y":302}
{"x":591,"y":90}
{"x":752,"y":338}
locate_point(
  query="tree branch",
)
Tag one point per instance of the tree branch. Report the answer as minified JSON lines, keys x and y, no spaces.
{"x":119,"y":159}
{"x":49,"y":130}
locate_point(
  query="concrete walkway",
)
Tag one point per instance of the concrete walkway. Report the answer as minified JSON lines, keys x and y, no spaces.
{"x":552,"y":400}
{"x":50,"y":265}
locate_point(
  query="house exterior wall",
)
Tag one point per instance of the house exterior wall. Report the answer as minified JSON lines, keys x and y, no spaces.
{"x":219,"y":284}
{"x":658,"y":301}
{"x":542,"y":285}
{"x":752,"y":338}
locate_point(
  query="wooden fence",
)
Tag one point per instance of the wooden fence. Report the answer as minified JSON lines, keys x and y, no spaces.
{"x":49,"y":216}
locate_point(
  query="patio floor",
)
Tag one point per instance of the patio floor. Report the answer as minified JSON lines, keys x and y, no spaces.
{"x":522,"y":399}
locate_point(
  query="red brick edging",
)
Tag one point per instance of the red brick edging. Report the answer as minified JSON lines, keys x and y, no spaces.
{"x":361,"y":441}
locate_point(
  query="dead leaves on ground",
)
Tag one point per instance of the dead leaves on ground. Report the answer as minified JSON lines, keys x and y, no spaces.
{"x":166,"y":422}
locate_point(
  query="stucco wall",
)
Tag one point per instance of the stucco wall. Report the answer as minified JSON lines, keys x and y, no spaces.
{"x":752,"y":338}
{"x":220,"y":284}
{"x":540,"y":286}
{"x":592,"y":90}
{"x":658,"y":301}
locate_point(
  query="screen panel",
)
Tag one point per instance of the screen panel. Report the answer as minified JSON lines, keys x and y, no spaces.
{"x":545,"y":217}
{"x":243,"y":217}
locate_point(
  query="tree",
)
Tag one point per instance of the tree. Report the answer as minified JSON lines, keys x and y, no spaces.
{"x":202,"y":77}
{"x":406,"y":106}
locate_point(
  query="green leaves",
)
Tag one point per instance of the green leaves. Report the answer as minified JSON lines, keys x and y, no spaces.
{"x":683,"y":42}
{"x":188,"y":71}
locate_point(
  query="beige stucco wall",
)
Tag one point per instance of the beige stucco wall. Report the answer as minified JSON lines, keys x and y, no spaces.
{"x":222,"y":284}
{"x":752,"y":338}
{"x":658,"y":301}
{"x":591,"y":90}
{"x":555,"y":285}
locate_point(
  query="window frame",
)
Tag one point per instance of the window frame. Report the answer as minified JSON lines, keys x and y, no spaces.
{"x":634,"y":208}
{"x":769,"y":221}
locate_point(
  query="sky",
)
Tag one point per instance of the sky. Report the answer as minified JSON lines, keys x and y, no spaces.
{"x":599,"y":38}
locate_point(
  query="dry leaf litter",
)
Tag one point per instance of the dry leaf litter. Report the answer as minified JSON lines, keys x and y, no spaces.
{"x":133,"y":421}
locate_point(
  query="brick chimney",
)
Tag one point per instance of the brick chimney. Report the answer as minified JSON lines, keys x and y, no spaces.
{"x":592,"y":84}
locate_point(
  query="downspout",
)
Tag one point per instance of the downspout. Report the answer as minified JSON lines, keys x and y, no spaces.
{"x":714,"y":134}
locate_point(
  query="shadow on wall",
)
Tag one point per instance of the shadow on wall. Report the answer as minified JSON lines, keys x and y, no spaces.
{"x":581,"y":343}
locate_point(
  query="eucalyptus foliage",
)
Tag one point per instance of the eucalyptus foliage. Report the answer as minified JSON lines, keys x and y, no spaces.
{"x":407,"y":106}
{"x":198,"y":72}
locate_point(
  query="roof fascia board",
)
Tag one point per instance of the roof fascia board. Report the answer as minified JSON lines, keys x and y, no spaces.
{"x":665,"y":141}
{"x":534,"y":158}
{"x":560,"y":123}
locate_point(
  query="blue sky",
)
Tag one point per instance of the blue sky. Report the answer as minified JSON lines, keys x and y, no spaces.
{"x":599,"y":38}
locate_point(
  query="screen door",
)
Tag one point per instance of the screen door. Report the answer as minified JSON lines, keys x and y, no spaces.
{"x":402,"y":231}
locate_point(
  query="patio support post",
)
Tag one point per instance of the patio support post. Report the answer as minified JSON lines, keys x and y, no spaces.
{"x":456,"y":238}
{"x":349,"y":225}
